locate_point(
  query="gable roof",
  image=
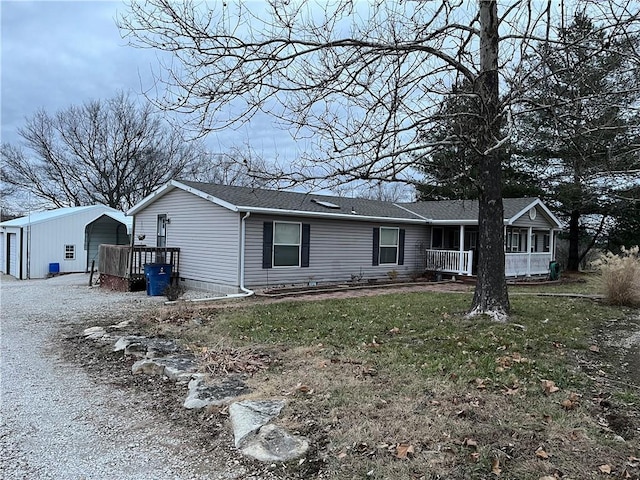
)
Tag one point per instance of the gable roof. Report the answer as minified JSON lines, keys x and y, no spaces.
{"x":466,"y":211}
{"x":47,"y":215}
{"x":258,"y":200}
{"x":118,"y":216}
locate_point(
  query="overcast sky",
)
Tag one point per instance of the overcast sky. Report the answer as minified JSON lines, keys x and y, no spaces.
{"x":61,"y":53}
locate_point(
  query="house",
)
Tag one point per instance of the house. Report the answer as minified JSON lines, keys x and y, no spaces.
{"x":64,"y":240}
{"x":231,"y":237}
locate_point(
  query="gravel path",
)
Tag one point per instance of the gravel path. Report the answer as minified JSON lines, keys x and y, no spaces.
{"x":56,"y":421}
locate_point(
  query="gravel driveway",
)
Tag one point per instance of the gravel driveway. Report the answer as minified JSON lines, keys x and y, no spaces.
{"x":57,"y":422}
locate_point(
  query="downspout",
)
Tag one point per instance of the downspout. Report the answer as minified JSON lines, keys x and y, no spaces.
{"x":132,"y":242}
{"x":243,"y":236}
{"x":245,"y":291}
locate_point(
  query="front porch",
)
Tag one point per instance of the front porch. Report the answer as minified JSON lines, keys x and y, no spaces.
{"x":457,"y":262}
{"x":528,"y":250}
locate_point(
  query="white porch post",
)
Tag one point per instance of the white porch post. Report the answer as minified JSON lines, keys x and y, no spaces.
{"x":529,"y":248}
{"x":552,"y":245}
{"x":461,"y":264}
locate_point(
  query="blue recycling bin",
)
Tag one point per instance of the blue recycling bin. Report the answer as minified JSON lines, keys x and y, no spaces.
{"x":158,"y":276}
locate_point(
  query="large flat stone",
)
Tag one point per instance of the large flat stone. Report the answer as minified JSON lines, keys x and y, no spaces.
{"x":272,"y":443}
{"x":145,"y":347}
{"x":248,"y":416}
{"x":176,"y":367}
{"x":203,"y":394}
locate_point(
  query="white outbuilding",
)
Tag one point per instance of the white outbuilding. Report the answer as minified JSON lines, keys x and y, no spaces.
{"x":64,"y":240}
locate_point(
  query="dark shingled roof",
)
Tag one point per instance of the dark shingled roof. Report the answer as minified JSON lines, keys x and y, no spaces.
{"x":463,"y":209}
{"x":302,"y":202}
{"x":452,"y":210}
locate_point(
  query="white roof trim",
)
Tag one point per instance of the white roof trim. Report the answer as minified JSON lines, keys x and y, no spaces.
{"x":56,"y":214}
{"x":429,"y":220}
{"x":206,"y":196}
{"x":167,"y":187}
{"x":536,"y":203}
{"x":350,"y":216}
{"x":118,"y":217}
{"x":160,"y":192}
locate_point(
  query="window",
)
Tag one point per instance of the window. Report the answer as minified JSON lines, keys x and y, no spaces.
{"x":389,"y":245}
{"x":436,"y":238}
{"x":286,"y":244}
{"x":470,"y":239}
{"x":161,"y":240}
{"x":516,"y":240}
{"x":69,"y":252}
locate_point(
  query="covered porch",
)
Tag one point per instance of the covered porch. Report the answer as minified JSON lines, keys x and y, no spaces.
{"x":528,"y":251}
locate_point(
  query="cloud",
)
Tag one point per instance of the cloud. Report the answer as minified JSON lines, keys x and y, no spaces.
{"x":56,"y":54}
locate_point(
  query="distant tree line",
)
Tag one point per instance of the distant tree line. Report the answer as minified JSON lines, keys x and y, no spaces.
{"x":113,"y":152}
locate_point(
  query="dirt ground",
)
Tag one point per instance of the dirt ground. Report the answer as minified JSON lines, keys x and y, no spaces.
{"x":211,"y":428}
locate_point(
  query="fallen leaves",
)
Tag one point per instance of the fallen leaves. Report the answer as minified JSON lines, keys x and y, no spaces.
{"x":233,"y":360}
{"x":470,"y":442}
{"x":571,"y":402}
{"x":300,"y":388}
{"x":549,"y":387}
{"x":510,"y":390}
{"x":495,"y":466}
{"x":606,"y":468}
{"x":542,"y":454}
{"x":403,"y":450}
{"x":507,"y":361}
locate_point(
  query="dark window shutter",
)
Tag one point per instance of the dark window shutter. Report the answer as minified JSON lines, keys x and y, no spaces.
{"x":401,"y":247}
{"x":306,"y":233}
{"x":267,"y":244}
{"x":376,"y":246}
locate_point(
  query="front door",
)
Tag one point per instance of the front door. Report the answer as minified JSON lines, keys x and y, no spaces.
{"x":161,"y":240}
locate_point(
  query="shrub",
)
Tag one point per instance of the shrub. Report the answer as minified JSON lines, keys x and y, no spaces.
{"x":173,"y":292}
{"x":620,"y":277}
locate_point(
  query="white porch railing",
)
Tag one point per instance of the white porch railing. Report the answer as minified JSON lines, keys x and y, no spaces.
{"x":450,"y":261}
{"x":460,"y":263}
{"x":523,"y":264}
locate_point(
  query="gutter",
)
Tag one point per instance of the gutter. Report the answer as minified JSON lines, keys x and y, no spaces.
{"x":350,"y":216}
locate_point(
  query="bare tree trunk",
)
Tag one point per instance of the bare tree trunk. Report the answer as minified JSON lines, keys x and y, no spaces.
{"x":491,"y":295}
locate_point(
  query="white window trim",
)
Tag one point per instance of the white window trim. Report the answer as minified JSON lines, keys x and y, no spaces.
{"x":273,"y":246}
{"x":72,"y":250}
{"x":396,"y":246}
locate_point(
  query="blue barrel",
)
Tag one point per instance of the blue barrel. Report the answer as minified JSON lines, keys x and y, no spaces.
{"x":158,"y":276}
{"x":54,"y":268}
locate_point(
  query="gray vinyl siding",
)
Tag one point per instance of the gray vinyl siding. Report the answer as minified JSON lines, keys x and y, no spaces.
{"x":208,"y":236}
{"x":337,"y":250}
{"x":540,"y":222}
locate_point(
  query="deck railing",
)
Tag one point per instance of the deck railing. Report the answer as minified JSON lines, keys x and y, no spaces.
{"x":450,"y":261}
{"x":461,"y":263}
{"x":120,"y":261}
{"x":144,"y":255}
{"x":523,"y":264}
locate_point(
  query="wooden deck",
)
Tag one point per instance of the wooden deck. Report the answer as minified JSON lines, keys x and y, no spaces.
{"x":121,"y":268}
{"x":145,"y":255}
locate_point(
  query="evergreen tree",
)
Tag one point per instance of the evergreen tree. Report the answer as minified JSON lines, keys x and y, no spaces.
{"x":576,"y":126}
